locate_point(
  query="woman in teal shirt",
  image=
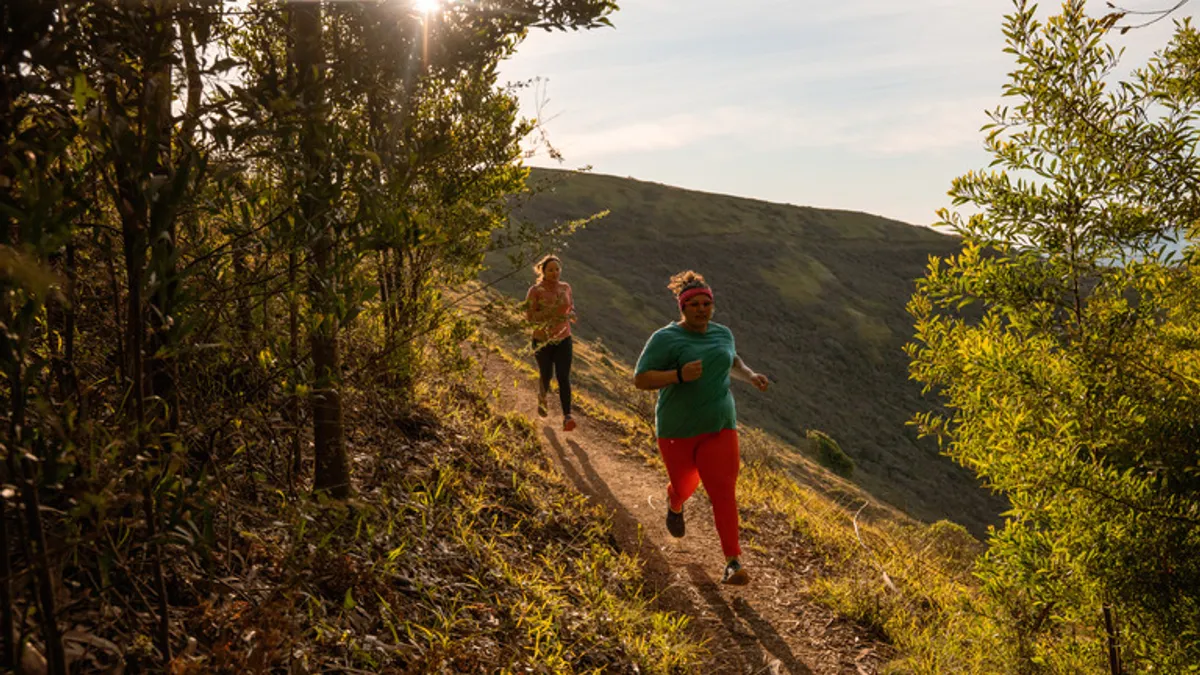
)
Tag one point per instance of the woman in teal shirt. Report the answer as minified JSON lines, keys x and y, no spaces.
{"x":691,"y":362}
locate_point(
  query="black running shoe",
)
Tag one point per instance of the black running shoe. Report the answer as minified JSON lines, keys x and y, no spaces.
{"x":735,"y":574}
{"x":675,"y":522}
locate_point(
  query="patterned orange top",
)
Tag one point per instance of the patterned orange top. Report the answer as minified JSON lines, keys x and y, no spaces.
{"x":551,"y":304}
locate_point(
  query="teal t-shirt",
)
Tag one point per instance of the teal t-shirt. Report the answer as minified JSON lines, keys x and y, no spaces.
{"x":692,"y":408}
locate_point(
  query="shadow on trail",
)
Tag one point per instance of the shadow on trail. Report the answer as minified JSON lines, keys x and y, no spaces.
{"x":752,"y":651}
{"x":769,"y":638}
{"x":763,"y":640}
{"x":592,"y":484}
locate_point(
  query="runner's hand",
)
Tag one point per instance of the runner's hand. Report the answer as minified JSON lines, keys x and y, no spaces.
{"x":693,"y":370}
{"x":760,"y":381}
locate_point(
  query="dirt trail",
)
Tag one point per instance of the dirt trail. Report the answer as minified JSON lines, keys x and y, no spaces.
{"x":767,"y":627}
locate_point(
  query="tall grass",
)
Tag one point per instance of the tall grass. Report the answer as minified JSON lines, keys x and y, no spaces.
{"x":463,"y":551}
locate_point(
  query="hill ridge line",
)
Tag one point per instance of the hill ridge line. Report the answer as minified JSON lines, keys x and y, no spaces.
{"x":535,"y":170}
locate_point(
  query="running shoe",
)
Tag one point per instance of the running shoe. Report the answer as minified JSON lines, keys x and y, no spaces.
{"x":735,"y":574}
{"x":675,"y":522}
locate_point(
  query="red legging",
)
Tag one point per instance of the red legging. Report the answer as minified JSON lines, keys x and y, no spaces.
{"x":712,"y":458}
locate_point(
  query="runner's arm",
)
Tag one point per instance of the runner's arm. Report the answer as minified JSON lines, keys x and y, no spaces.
{"x":531,"y":308}
{"x":741,"y":371}
{"x":651,"y":380}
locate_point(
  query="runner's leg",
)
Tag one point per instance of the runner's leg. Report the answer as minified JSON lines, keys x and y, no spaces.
{"x":545,"y":361}
{"x":717,"y":463}
{"x":679,"y":455}
{"x":563,"y":354}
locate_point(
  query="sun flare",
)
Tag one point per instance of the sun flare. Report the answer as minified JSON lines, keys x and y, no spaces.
{"x":426,"y":6}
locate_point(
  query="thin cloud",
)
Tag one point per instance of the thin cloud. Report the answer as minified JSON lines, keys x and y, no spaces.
{"x":919,"y":128}
{"x":672,"y":132}
{"x":760,"y":93}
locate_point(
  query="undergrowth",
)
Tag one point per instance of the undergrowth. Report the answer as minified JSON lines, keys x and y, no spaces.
{"x":462,"y":552}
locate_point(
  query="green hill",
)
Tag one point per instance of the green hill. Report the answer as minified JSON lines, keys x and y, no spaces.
{"x":815,"y":298}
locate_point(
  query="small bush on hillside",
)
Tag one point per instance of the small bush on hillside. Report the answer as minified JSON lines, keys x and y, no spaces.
{"x":830,"y":454}
{"x":600,"y":347}
{"x":953,"y":544}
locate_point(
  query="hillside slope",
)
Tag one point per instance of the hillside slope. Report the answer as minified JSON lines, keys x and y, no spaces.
{"x":744,"y":629}
{"x":815,"y":298}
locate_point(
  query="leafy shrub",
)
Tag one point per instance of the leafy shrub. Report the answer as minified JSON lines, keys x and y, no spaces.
{"x":830,"y":454}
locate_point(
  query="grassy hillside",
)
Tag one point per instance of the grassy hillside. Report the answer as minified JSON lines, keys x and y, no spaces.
{"x":464,"y":550}
{"x":909,"y":583}
{"x":815,"y":298}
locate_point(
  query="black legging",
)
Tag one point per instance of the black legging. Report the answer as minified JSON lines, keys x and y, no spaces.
{"x":554,"y":358}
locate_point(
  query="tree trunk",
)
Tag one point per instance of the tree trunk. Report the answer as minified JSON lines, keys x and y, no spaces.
{"x":8,"y":646}
{"x":160,"y":220}
{"x":147,"y":225}
{"x":163,"y":251}
{"x":135,"y":258}
{"x":267,"y":320}
{"x":23,"y":472}
{"x":72,"y":381}
{"x":45,"y":575}
{"x":118,"y":320}
{"x":294,"y":354}
{"x":379,"y":146}
{"x":245,"y":323}
{"x":1114,"y":650}
{"x":7,"y":625}
{"x":332,"y":470}
{"x":385,"y":298}
{"x":396,"y":284}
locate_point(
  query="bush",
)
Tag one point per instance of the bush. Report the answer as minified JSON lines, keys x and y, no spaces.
{"x":830,"y":454}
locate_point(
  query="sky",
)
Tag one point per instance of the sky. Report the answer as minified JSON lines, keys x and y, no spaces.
{"x":866,"y":105}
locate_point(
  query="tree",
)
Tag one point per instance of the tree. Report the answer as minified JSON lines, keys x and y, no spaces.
{"x":171,"y":174}
{"x":316,"y":201}
{"x":359,"y":77}
{"x":38,"y":186}
{"x":1065,"y":342}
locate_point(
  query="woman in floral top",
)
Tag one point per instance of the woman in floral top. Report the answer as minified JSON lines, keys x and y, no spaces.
{"x":550,"y":307}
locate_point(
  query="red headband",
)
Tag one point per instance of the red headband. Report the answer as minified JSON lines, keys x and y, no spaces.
{"x":693,"y":292}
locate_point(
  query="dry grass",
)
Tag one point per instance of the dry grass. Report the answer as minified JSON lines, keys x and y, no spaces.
{"x":463,"y":550}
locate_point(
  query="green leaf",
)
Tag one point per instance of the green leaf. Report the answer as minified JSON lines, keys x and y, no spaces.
{"x":82,"y":92}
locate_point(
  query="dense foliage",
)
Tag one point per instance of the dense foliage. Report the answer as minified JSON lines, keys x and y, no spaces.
{"x":1065,"y":339}
{"x":201,"y":205}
